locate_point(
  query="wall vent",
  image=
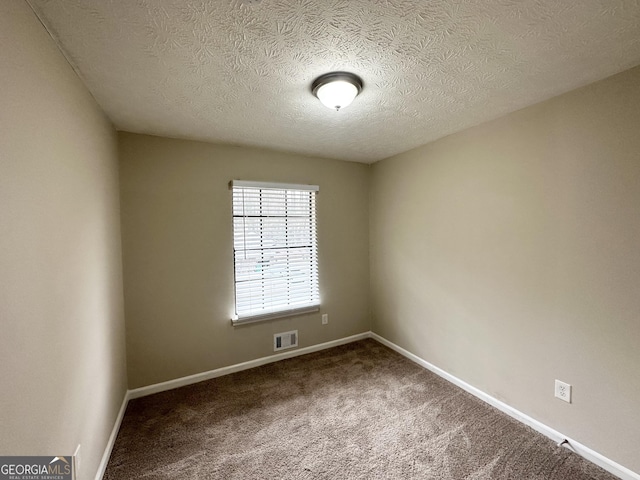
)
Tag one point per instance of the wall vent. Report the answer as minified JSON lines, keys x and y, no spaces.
{"x":285,"y":340}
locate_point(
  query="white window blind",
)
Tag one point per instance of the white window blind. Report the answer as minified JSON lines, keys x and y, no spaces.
{"x":274,"y":247}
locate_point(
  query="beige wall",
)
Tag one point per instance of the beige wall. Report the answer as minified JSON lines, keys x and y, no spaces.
{"x":62,"y":357}
{"x":178,"y":253}
{"x":509,"y":256}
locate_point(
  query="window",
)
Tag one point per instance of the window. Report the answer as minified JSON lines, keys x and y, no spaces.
{"x":274,"y":250}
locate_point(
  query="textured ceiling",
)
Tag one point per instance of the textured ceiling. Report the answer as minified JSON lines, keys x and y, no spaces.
{"x":240,"y":71}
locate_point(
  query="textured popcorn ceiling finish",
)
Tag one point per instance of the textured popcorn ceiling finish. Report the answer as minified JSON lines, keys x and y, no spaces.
{"x":240,"y":71}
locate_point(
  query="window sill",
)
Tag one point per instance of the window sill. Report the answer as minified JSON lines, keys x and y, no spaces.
{"x":272,"y":316}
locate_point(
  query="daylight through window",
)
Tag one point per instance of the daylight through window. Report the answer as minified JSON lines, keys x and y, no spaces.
{"x":274,"y":247}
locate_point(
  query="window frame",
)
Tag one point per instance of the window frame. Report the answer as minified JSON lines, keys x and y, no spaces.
{"x":312,"y":277}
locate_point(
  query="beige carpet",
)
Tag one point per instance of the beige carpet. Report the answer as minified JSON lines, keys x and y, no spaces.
{"x":360,"y":411}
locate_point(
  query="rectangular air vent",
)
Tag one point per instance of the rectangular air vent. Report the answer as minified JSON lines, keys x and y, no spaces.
{"x":285,"y":340}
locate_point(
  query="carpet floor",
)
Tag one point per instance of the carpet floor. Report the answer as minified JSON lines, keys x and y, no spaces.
{"x":358,"y":411}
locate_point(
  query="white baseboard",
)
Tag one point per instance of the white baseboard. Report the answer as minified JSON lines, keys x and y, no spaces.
{"x":112,"y":438}
{"x":219,"y":372}
{"x":582,"y":450}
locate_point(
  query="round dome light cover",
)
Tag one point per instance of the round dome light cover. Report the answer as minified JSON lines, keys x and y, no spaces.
{"x":336,"y":90}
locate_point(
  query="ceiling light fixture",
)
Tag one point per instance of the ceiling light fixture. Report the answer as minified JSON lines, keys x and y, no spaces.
{"x":336,"y":90}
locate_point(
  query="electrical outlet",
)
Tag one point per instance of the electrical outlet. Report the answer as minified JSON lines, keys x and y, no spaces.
{"x":325,"y":318}
{"x":563,"y":391}
{"x":76,"y":461}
